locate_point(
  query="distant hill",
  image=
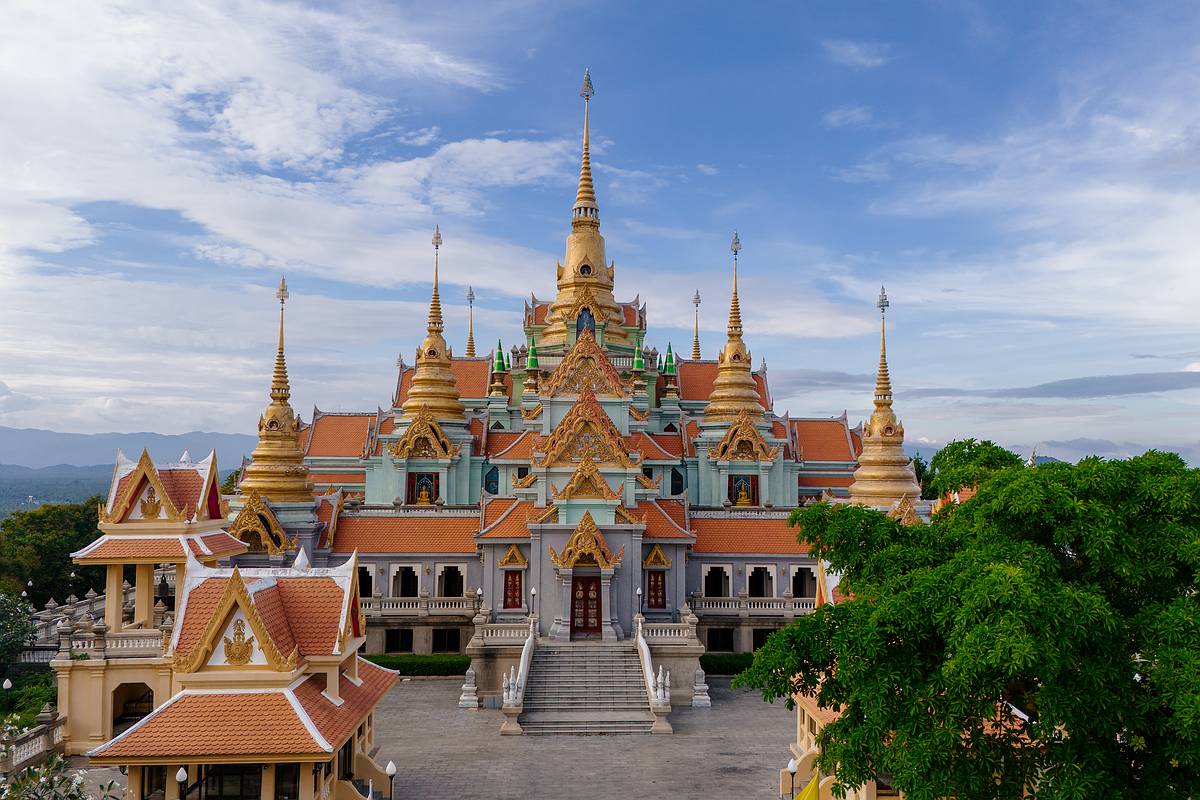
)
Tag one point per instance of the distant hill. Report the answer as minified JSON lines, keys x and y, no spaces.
{"x":23,"y":488}
{"x":31,"y":447}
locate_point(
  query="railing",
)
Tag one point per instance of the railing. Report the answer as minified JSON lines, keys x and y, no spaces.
{"x":419,"y":606}
{"x":130,"y":644}
{"x":658,"y":687}
{"x":30,"y":747}
{"x":508,"y":631}
{"x":513,"y":685}
{"x":668,"y":632}
{"x":762,"y":606}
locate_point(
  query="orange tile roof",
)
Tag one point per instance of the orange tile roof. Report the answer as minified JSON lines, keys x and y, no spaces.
{"x":411,"y":534}
{"x":629,"y":312}
{"x":746,"y":535}
{"x":823,"y":439}
{"x":495,"y":508}
{"x":514,"y":524}
{"x":303,"y":435}
{"x":471,"y":378}
{"x":183,"y":486}
{"x":343,"y":435}
{"x":314,"y":612}
{"x":856,"y":441}
{"x":656,"y":447}
{"x":167,"y":549}
{"x":222,"y":544}
{"x":539,"y":312}
{"x":696,"y":381}
{"x":337,"y":723}
{"x":200,"y":603}
{"x":691,"y":431}
{"x":269,"y":603}
{"x":664,"y":519}
{"x":510,"y":445}
{"x":821,"y":481}
{"x":338,"y":477}
{"x":191,"y":726}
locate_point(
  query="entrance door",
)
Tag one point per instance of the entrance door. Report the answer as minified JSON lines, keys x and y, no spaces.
{"x":585,"y":607}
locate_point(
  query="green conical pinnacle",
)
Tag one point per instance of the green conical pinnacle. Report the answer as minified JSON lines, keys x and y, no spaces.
{"x":639,"y":362}
{"x":532,"y":361}
{"x":498,"y":361}
{"x":670,"y":363}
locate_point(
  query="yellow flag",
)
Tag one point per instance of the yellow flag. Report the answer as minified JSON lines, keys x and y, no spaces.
{"x":809,"y":792}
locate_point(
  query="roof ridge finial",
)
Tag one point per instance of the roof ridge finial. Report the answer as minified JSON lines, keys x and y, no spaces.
{"x":435,"y":302}
{"x":696,"y":331}
{"x":586,"y":210}
{"x":280,"y":389}
{"x":883,"y":381}
{"x":735,"y":309}
{"x":470,"y":322}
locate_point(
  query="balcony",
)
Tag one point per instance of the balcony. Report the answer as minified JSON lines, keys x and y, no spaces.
{"x":743,"y":605}
{"x":420,"y":606}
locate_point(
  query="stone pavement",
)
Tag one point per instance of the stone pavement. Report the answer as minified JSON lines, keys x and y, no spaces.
{"x":732,"y":750}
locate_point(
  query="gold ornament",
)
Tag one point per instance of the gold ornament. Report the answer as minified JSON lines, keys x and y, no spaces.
{"x":586,"y":547}
{"x":239,"y":649}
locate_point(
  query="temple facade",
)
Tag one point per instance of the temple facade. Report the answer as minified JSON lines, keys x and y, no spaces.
{"x":582,"y":481}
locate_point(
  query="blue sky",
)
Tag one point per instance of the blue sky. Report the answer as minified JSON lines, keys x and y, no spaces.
{"x":1022,"y":176}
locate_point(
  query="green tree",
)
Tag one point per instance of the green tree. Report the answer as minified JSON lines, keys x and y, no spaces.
{"x":966,"y":462}
{"x":54,"y":780}
{"x":229,"y":485}
{"x":921,"y":471}
{"x":37,"y":545}
{"x":1044,"y":634}
{"x":16,"y":626}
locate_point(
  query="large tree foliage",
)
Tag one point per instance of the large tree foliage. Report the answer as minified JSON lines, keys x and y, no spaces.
{"x":16,"y":627}
{"x":37,"y":545}
{"x":966,"y":462}
{"x":1068,"y":593}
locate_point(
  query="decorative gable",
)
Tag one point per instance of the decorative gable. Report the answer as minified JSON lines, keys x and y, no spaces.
{"x":585,"y":368}
{"x":743,"y":442}
{"x":257,"y":526}
{"x":587,"y":547}
{"x":513,"y":558}
{"x":424,"y":438}
{"x":141,"y":496}
{"x":905,"y":512}
{"x":656,"y":558}
{"x":586,"y":482}
{"x":586,"y":431}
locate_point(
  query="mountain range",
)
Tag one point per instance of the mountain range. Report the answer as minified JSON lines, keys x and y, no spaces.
{"x":33,"y":447}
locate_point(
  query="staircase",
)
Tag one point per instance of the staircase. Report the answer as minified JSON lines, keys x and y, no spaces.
{"x":586,"y":688}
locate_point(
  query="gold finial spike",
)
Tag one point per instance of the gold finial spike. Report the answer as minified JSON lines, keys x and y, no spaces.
{"x":435,"y":302}
{"x":280,"y":390}
{"x":735,"y":310}
{"x":585,"y":209}
{"x":883,"y":381}
{"x":470,"y":322}
{"x":696,"y":331}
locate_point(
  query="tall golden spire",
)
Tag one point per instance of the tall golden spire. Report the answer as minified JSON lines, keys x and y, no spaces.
{"x":470,"y":322}
{"x":585,"y":278}
{"x":696,"y":328}
{"x":277,"y":471}
{"x":884,"y":475}
{"x":433,"y":386}
{"x":734,"y":389}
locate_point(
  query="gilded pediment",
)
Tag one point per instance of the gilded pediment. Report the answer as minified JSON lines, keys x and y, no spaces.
{"x":656,"y":558}
{"x":144,"y":491}
{"x":424,"y":438}
{"x":586,"y":482}
{"x":257,"y":526}
{"x":584,"y":368}
{"x":743,"y":442}
{"x":585,"y":432}
{"x":513,"y":558}
{"x":586,"y":547}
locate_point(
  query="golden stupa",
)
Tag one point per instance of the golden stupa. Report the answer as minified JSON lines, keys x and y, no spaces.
{"x":278,"y":472}
{"x":433,"y":386}
{"x":884,"y":475}
{"x":585,"y":278}
{"x":734,"y":389}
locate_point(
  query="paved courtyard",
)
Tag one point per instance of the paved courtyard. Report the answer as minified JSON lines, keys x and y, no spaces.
{"x":732,"y":750}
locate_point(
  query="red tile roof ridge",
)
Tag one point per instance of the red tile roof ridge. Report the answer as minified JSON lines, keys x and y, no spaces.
{"x":514,"y":443}
{"x":503,"y":515}
{"x":663,"y":511}
{"x":650,"y":438}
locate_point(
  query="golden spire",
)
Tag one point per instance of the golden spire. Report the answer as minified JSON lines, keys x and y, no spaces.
{"x":696,"y":330}
{"x":585,"y":277}
{"x":884,"y":475}
{"x":734,"y":389}
{"x":433,"y":386}
{"x":470,"y":322}
{"x":277,"y":471}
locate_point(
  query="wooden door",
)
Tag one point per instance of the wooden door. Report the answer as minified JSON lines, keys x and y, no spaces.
{"x":585,"y":607}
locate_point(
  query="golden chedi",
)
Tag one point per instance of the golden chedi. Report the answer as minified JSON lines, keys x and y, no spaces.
{"x":433,"y":386}
{"x":278,"y":472}
{"x":734,"y":389}
{"x":585,"y":279}
{"x":884,"y":475}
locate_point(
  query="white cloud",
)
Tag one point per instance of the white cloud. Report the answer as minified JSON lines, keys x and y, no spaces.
{"x":860,"y":55}
{"x":707,"y":169}
{"x":848,"y":116}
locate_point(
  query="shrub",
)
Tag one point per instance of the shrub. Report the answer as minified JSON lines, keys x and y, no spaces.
{"x":725,"y":663}
{"x":423,"y":665}
{"x":31,"y":691}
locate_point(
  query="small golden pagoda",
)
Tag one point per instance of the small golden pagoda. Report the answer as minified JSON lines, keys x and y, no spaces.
{"x":433,"y":386}
{"x":734,"y":391}
{"x":884,"y":476}
{"x":585,"y":279}
{"x":277,"y":472}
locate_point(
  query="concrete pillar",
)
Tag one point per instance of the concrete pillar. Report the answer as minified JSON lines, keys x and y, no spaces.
{"x":134,"y":784}
{"x":143,"y":596}
{"x":114,"y":598}
{"x":743,"y":638}
{"x":268,"y":782}
{"x":422,"y":640}
{"x":607,"y":629}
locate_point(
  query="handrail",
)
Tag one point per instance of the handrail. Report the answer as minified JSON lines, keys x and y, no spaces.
{"x":658,"y":688}
{"x":514,"y":684}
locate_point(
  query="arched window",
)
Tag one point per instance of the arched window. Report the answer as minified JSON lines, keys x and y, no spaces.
{"x":491,"y":481}
{"x":677,"y":486}
{"x":585,"y":320}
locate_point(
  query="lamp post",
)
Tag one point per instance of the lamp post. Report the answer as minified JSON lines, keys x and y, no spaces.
{"x":533,"y":602}
{"x":639,"y":597}
{"x":391,"y":773}
{"x":7,"y":684}
{"x":478,"y":599}
{"x":791,"y":768}
{"x":181,"y":778}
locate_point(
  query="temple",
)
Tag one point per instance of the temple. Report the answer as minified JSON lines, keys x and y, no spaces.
{"x":579,"y":503}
